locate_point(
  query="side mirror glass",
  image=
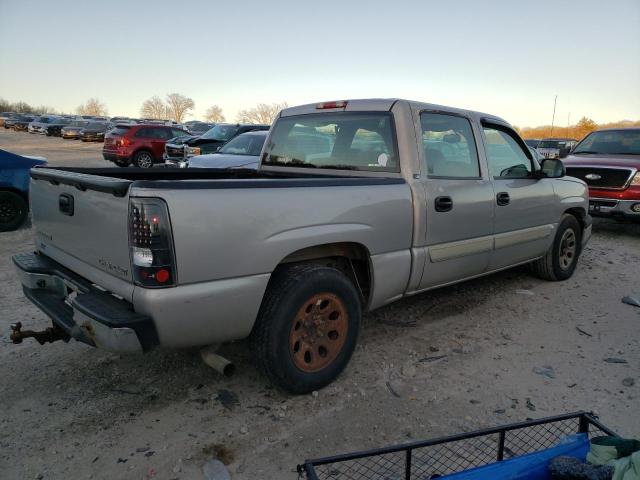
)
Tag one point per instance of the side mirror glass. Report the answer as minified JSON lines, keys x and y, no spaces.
{"x":553,"y":168}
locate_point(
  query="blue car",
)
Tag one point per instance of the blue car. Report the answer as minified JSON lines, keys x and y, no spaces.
{"x":14,"y":188}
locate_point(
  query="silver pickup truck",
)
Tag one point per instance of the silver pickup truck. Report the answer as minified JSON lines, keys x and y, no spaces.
{"x":356,"y":204}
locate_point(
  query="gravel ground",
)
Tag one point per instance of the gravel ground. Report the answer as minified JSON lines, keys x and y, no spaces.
{"x":70,"y":411}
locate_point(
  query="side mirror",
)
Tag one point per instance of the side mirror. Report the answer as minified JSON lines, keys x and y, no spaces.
{"x":553,"y":168}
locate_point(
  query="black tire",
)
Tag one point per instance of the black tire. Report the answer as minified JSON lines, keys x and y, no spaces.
{"x":143,"y":159}
{"x":121,"y":163}
{"x":13,"y":211}
{"x":272,"y":338}
{"x":559,"y":263}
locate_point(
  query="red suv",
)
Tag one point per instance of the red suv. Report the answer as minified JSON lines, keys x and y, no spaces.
{"x":140,"y":145}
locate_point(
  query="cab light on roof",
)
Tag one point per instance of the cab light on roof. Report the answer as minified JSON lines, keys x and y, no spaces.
{"x":326,"y":105}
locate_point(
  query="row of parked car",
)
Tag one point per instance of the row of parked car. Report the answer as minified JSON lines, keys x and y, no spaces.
{"x":145,"y":143}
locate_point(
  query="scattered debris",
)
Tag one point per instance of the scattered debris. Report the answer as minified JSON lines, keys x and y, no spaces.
{"x":572,"y":385}
{"x":215,"y":470}
{"x":473,"y":401}
{"x":545,"y":371}
{"x":149,"y":453}
{"x":432,"y":359}
{"x":314,"y":394}
{"x":523,"y":291}
{"x":500,"y":411}
{"x":615,"y":360}
{"x":244,"y":430}
{"x":628,"y":382}
{"x":632,"y":300}
{"x":122,"y":460}
{"x":530,"y":405}
{"x":227,"y":398}
{"x":393,"y":392}
{"x":584,"y":332}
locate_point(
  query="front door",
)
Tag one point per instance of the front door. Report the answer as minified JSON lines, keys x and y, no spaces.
{"x":524,"y":205}
{"x":459,"y":198}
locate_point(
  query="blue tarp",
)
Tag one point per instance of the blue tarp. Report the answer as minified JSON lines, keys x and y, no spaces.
{"x":533,"y":466}
{"x":14,"y":170}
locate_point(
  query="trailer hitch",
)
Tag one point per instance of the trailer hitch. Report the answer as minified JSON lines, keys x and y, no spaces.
{"x":48,"y":335}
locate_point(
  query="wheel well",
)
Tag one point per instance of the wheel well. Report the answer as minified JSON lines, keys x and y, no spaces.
{"x":580,"y":215}
{"x":353,"y":259}
{"x":24,"y":195}
{"x":143,"y":149}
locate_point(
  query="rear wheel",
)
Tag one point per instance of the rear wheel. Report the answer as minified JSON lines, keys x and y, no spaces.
{"x":143,"y":159}
{"x":307,"y":327}
{"x":561,"y":259}
{"x":13,"y":211}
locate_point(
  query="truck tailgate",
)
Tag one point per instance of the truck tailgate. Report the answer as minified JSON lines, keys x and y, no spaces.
{"x":81,"y":222}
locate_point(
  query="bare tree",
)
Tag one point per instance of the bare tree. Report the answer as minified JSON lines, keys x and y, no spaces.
{"x":214,"y":114}
{"x":154,"y":107}
{"x":179,"y":106}
{"x":261,"y":113}
{"x":93,"y":106}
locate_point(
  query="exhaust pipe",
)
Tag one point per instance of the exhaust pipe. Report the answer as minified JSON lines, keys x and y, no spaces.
{"x":218,"y":363}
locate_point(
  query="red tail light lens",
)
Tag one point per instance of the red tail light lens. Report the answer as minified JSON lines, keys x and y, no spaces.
{"x":151,"y":243}
{"x":124,"y":142}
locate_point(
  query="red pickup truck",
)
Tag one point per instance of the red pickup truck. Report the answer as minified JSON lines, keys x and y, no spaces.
{"x":609,"y":162}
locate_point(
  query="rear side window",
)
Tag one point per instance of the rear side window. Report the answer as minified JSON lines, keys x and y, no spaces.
{"x":154,"y":132}
{"x":449,"y":146}
{"x":178,"y":133}
{"x":343,"y":141}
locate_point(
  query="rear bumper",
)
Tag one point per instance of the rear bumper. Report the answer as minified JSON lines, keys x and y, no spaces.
{"x":85,"y":312}
{"x":114,"y":157}
{"x":611,"y":207}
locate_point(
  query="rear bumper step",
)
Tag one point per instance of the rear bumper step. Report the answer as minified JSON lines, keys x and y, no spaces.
{"x":82,"y":310}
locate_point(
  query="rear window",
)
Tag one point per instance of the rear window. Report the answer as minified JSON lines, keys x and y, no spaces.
{"x":120,"y":130}
{"x":343,"y":141}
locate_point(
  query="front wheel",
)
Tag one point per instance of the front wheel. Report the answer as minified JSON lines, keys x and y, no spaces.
{"x":143,"y":159}
{"x":561,"y":259}
{"x":13,"y":211}
{"x":307,"y":327}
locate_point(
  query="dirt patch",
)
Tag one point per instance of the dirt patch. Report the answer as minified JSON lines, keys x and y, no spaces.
{"x":451,"y":360}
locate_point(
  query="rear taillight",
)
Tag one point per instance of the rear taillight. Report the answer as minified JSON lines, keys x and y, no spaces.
{"x":150,"y":243}
{"x":328,"y":105}
{"x":123,"y":142}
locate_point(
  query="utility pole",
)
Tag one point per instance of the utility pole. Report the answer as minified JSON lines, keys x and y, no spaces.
{"x":553,"y":118}
{"x":568,"y":123}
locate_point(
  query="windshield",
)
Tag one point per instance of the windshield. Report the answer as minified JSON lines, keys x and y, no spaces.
{"x":549,"y":144}
{"x":221,"y":133}
{"x":248,"y":144}
{"x":611,"y":142}
{"x":345,"y":141}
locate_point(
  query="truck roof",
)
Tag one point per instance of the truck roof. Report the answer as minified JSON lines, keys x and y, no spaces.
{"x":385,"y":104}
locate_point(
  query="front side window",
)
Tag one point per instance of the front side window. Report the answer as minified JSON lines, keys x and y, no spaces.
{"x":505,"y":156}
{"x":343,"y":141}
{"x":449,"y":146}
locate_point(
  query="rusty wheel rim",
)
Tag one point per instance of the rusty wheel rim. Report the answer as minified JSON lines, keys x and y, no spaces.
{"x":318,"y":332}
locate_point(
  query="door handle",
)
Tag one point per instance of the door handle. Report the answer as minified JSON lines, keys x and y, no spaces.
{"x":503,"y":199}
{"x":65,"y":204}
{"x":443,"y":204}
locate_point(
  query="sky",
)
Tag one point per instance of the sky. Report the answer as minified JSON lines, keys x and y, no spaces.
{"x":509,"y":58}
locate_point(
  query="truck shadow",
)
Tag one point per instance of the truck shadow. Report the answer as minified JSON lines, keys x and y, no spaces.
{"x":615,"y":228}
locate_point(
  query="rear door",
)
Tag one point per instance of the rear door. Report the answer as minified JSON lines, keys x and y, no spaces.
{"x":459,"y":198}
{"x":524,"y":204}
